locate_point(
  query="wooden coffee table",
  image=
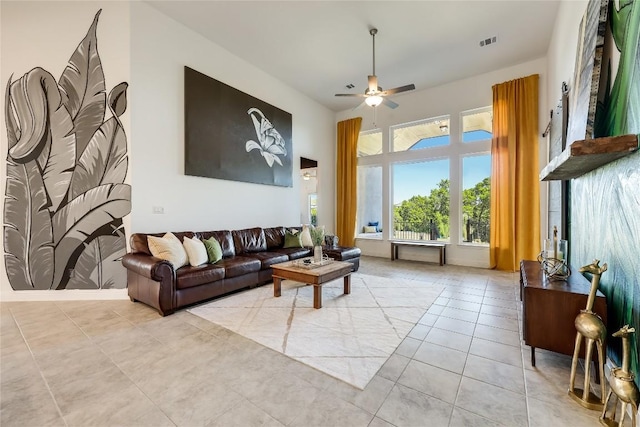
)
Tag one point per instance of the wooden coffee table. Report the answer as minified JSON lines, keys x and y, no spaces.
{"x":316,"y":276}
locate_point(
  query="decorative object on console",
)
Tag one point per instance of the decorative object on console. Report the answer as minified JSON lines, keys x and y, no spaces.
{"x":622,"y":384}
{"x":590,"y":326}
{"x":553,"y":257}
{"x":232,"y":135}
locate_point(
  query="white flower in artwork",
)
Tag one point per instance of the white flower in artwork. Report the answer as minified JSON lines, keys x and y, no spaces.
{"x":271,"y":142}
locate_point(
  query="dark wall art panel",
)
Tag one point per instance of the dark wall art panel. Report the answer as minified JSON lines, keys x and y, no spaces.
{"x":66,"y":165}
{"x":232,"y":135}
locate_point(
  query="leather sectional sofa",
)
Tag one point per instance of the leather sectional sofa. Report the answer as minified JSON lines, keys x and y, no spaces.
{"x":247,"y":258}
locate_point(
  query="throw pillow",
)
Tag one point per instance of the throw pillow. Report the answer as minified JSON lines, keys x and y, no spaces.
{"x":370,"y":229}
{"x":306,"y":237}
{"x":169,"y":248}
{"x":292,"y":240}
{"x":196,"y":251}
{"x":214,"y":250}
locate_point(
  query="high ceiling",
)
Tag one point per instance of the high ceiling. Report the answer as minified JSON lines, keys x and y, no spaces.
{"x":318,"y":47}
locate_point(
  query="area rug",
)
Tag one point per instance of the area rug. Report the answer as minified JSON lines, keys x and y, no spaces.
{"x":349,"y":338}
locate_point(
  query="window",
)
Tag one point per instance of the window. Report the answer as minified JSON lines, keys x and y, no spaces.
{"x":313,"y":209}
{"x":477,"y":125}
{"x":476,"y":186}
{"x":405,"y":173}
{"x":370,"y":143}
{"x":421,"y":200}
{"x":421,"y":134}
{"x":369,"y":216}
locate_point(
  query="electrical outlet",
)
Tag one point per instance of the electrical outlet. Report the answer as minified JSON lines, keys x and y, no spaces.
{"x":158,"y":210}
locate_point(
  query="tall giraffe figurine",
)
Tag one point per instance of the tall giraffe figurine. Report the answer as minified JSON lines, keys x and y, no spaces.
{"x":622,"y":384}
{"x":590,"y":326}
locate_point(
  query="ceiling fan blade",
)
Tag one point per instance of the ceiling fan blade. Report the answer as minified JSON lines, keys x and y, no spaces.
{"x":399,"y":89}
{"x":361,"y":95}
{"x":359,"y":106}
{"x":373,"y":83}
{"x":389,"y":103}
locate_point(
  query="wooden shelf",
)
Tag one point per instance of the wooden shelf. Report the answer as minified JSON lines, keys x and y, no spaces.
{"x":586,"y":155}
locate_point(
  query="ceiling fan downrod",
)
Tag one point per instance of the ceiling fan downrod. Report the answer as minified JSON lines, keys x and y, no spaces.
{"x":373,"y":33}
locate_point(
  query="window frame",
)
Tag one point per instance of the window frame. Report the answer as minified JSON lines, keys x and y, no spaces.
{"x":414,"y":123}
{"x":461,"y":241}
{"x":470,"y":112}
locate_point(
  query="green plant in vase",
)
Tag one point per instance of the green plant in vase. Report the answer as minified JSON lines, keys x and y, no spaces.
{"x":317,"y":237}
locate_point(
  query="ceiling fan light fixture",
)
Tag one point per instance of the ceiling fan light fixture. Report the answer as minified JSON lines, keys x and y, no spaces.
{"x":373,"y":101}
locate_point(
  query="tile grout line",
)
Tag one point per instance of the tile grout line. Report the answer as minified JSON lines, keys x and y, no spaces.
{"x":114,"y":363}
{"x":46,"y":383}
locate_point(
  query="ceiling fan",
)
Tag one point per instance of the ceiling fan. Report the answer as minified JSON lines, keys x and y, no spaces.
{"x":374,"y":95}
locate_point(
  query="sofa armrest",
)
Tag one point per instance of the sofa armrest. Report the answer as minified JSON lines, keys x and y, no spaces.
{"x":148,"y":266}
{"x":151,"y":280}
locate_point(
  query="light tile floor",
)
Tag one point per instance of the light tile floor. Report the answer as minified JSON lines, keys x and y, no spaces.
{"x":118,"y":363}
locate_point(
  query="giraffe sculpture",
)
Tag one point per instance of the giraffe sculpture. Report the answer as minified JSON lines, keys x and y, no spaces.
{"x":622,"y":384}
{"x":589,"y":326}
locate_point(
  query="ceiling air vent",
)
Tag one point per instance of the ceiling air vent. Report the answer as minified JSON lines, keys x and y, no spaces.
{"x":487,"y":42}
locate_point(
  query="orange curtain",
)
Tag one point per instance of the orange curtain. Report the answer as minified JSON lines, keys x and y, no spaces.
{"x":347,"y":168}
{"x":515,"y":188}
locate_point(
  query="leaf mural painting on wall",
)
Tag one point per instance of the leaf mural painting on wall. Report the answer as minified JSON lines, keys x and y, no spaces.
{"x":65,"y":195}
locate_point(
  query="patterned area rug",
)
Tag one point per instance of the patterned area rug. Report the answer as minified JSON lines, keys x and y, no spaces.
{"x":349,"y":338}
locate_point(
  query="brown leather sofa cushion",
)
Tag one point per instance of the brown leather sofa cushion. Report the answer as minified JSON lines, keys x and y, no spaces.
{"x":249,"y":240}
{"x":238,"y":265}
{"x":294,"y":253}
{"x":187,"y":276}
{"x":342,"y":253}
{"x":224,"y":238}
{"x":274,"y":237}
{"x":268,"y":258}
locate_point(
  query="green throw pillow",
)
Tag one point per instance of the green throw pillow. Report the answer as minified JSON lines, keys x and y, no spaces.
{"x":214,"y":250}
{"x":292,"y":240}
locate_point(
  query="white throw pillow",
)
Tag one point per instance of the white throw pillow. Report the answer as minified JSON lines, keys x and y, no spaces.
{"x":169,"y":248}
{"x":370,"y":229}
{"x":306,"y":237}
{"x":196,"y":251}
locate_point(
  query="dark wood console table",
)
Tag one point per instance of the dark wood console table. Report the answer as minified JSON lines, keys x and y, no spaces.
{"x":549,"y":309}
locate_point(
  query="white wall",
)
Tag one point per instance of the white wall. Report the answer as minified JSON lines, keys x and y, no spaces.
{"x":46,"y":34}
{"x":139,"y":45}
{"x":561,"y":55}
{"x":451,"y":98}
{"x":160,"y":48}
